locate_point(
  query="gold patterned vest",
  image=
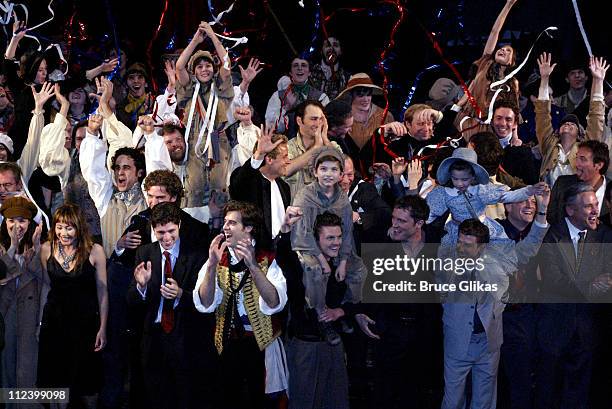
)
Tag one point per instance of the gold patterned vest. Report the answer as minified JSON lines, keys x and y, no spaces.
{"x":263,"y":329}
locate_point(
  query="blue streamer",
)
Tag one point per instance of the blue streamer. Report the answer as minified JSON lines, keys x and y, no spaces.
{"x":307,"y":54}
{"x":111,"y":21}
{"x":415,"y":84}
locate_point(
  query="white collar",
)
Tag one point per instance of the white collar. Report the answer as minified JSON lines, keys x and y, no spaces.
{"x":453,"y":191}
{"x":573,"y":230}
{"x":505,"y":141}
{"x":174,"y":251}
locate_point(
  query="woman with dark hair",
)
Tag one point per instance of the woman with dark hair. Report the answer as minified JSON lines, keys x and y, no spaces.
{"x":22,"y":292}
{"x":73,"y":328}
{"x":492,"y":66}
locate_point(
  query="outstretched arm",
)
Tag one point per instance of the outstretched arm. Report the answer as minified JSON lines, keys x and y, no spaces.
{"x":499,"y":23}
{"x":182,"y":75}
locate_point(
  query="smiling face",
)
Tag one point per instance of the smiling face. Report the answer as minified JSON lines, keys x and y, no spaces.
{"x":312,"y":121}
{"x":348,"y":176}
{"x":328,"y":174}
{"x":569,"y":130}
{"x":277,"y":167}
{"x":577,"y":79}
{"x":330,"y":240}
{"x":362,"y":98}
{"x":158,"y":194}
{"x":204,"y":70}
{"x":521,"y":213}
{"x":77,"y":97}
{"x":586,"y":169}
{"x":584,"y":212}
{"x":167,"y":234}
{"x":504,"y":55}
{"x":136,"y":84}
{"x":20,"y":224}
{"x":126,"y":174}
{"x":403,"y":225}
{"x":4,"y":153}
{"x":175,"y":142}
{"x":503,"y":121}
{"x":234,"y":230}
{"x":300,"y":71}
{"x":420,"y":130}
{"x":8,"y":184}
{"x":66,"y":234}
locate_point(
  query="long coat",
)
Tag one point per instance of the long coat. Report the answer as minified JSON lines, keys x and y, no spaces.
{"x":20,"y":302}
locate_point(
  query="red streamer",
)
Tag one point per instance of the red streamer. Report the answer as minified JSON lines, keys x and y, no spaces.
{"x":150,"y":45}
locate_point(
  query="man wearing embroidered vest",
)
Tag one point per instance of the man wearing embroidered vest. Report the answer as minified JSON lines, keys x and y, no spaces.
{"x":177,"y":340}
{"x":205,"y":92}
{"x":245,"y":287}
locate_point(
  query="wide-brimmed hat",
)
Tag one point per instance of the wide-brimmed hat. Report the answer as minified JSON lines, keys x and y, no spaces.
{"x":465,"y":154}
{"x":360,"y":80}
{"x":196,"y":56}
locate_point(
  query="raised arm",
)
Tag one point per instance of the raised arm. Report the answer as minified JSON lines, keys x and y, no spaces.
{"x":106,"y":66}
{"x":497,"y":26}
{"x":221,"y":51}
{"x":182,"y":75}
{"x":542,"y":106}
{"x":595,"y":118}
{"x":19,"y":31}
{"x":53,"y":157}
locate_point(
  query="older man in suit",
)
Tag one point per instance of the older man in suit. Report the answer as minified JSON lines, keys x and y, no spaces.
{"x":177,"y":340}
{"x":576,"y":270}
{"x":259,"y":181}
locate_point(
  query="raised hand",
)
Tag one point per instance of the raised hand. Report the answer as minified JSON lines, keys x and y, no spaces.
{"x":59,"y":97}
{"x":199,"y":35}
{"x":543,"y":198}
{"x":19,"y":28}
{"x":146,"y":124}
{"x":426,"y":115}
{"x":36,"y":238}
{"x":94,"y":124}
{"x":250,"y":72}
{"x":109,"y":65}
{"x":216,"y":249}
{"x":398,"y":166}
{"x":598,"y":67}
{"x":545,"y":66}
{"x":244,"y":115}
{"x":264,"y":141}
{"x":244,"y":249}
{"x":170,"y":70}
{"x":292,"y":215}
{"x":43,"y":96}
{"x":415,"y":173}
{"x":142,"y":273}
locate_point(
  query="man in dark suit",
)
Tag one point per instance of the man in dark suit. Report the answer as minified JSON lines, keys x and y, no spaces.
{"x":124,"y":326}
{"x":592,"y":161}
{"x":259,"y":182}
{"x":177,"y":340}
{"x":575,"y":271}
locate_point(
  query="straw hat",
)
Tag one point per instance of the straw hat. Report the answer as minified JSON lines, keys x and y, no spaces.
{"x":360,"y":80}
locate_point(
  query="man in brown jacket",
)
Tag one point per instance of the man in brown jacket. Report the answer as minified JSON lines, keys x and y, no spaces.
{"x":559,"y":147}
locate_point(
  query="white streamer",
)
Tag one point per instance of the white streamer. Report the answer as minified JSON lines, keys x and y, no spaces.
{"x":512,"y":74}
{"x":218,"y":18}
{"x":194,"y":100}
{"x":584,"y":36}
{"x":61,"y":55}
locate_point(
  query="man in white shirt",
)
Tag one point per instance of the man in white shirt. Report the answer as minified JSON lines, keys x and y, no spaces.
{"x":244,"y":286}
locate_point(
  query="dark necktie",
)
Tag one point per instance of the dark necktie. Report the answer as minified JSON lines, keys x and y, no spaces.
{"x":167,"y":318}
{"x":580,"y":248}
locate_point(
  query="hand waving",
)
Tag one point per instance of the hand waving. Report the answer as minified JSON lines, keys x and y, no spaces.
{"x":544,"y":63}
{"x":250,"y":72}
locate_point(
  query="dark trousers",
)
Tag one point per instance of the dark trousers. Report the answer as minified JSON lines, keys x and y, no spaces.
{"x":167,"y":372}
{"x":518,"y":354}
{"x":565,"y":377}
{"x":242,"y":367}
{"x":407,"y":368}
